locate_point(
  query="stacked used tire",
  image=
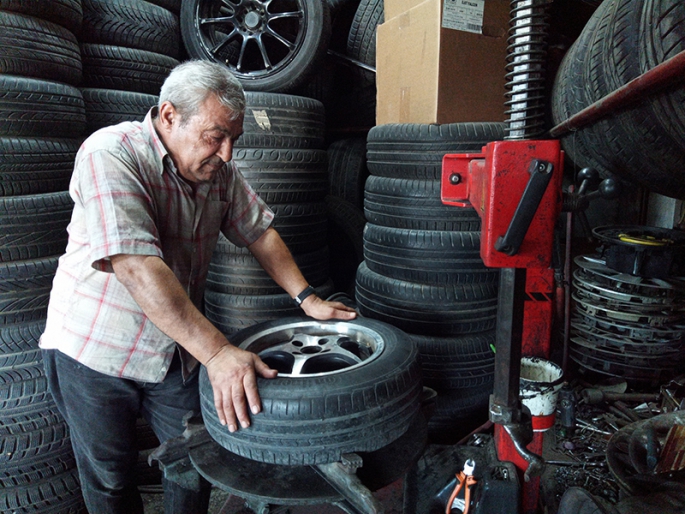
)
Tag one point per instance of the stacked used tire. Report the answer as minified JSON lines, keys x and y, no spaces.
{"x":347,"y":173}
{"x":281,"y":156}
{"x":42,"y":120}
{"x":355,"y":101}
{"x":422,"y":270}
{"x":128,"y":48}
{"x":645,"y":142}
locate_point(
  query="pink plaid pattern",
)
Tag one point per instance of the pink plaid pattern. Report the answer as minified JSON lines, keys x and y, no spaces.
{"x":129,"y":199}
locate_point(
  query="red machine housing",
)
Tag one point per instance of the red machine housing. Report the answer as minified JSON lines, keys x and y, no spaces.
{"x":494,"y":182}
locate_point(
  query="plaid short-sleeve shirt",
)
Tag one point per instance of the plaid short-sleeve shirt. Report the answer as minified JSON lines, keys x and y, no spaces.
{"x":129,"y":199}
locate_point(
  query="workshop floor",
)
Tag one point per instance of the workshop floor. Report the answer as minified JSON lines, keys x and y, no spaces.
{"x":223,"y":503}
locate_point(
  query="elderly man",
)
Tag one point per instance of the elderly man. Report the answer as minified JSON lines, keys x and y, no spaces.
{"x":125,"y":331}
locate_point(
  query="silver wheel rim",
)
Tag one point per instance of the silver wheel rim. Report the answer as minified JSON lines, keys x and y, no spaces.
{"x":311,"y":348}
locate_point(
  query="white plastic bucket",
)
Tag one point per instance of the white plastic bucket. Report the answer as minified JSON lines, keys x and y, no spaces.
{"x":539,"y":387}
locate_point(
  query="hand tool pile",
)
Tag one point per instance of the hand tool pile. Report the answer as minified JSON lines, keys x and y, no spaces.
{"x":608,"y":440}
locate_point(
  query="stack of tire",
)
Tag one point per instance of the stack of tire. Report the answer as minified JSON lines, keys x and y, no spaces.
{"x":281,"y":156}
{"x":42,"y":119}
{"x":354,"y":102}
{"x":128,"y":48}
{"x":347,"y":173}
{"x":644,"y":143}
{"x":422,"y":270}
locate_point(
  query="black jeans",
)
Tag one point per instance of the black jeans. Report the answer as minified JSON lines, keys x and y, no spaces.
{"x":101,"y":412}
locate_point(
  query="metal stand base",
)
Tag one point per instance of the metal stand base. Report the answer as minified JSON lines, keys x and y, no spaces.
{"x":268,"y":487}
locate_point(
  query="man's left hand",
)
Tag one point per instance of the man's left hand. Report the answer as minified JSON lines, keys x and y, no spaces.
{"x":320,"y":309}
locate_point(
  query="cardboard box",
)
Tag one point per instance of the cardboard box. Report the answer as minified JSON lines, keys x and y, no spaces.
{"x":426,"y":73}
{"x":392,"y":8}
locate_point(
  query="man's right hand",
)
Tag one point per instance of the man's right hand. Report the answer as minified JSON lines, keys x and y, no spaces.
{"x":233,"y":375}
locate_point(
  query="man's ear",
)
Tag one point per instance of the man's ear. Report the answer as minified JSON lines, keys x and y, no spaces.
{"x":167,"y":115}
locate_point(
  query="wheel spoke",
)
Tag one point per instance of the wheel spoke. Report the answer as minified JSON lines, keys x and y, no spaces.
{"x":217,"y":21}
{"x":223,"y":42}
{"x":265,"y":57}
{"x":283,"y":15}
{"x":230,"y":6}
{"x":300,"y":361}
{"x":337,"y":349}
{"x":280,"y":38}
{"x":239,"y":64}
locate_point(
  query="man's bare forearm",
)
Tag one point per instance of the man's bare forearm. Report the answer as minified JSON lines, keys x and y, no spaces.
{"x":276,"y":259}
{"x":159,"y":293}
{"x":273,"y":255}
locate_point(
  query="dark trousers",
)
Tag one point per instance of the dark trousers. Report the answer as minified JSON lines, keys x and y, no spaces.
{"x":101,"y":412}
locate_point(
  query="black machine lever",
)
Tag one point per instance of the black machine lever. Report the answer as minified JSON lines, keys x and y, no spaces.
{"x":540,"y":176}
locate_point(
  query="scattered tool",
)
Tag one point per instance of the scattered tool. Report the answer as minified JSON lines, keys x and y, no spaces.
{"x":595,"y":396}
{"x":465,"y":480}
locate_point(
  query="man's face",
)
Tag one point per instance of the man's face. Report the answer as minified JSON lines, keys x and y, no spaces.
{"x":200,"y":145}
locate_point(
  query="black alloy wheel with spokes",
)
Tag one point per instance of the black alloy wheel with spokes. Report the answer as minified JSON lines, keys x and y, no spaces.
{"x":270,"y":45}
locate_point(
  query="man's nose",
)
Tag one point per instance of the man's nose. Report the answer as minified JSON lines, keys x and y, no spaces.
{"x":225,"y":151}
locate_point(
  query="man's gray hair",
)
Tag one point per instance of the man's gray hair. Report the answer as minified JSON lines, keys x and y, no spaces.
{"x":190,"y":83}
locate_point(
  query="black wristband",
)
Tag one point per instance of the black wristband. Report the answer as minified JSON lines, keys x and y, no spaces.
{"x":308,"y":291}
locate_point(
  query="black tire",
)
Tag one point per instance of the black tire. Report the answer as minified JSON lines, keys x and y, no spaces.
{"x":67,"y":13}
{"x":37,"y":48}
{"x":453,"y":363}
{"x":27,"y":275}
{"x":336,"y":5}
{"x":361,"y":42}
{"x":320,"y":84}
{"x":131,"y":23}
{"x":361,"y":46}
{"x":125,"y":69}
{"x":643,"y":142}
{"x":24,"y":306}
{"x":458,"y":414}
{"x":105,"y":107}
{"x":12,"y":359}
{"x":414,"y":204}
{"x":36,"y":165}
{"x":303,"y":226}
{"x":345,"y":232}
{"x":233,"y":313}
{"x":570,"y":96}
{"x":426,"y":309}
{"x":56,"y":494}
{"x":282,"y":176}
{"x":338,"y":407}
{"x":275,"y":120}
{"x":170,"y":5}
{"x":665,"y":40}
{"x":426,"y":257}
{"x":22,"y":386}
{"x":21,"y":336}
{"x":19,"y":444}
{"x":414,"y":150}
{"x":36,"y":468}
{"x":31,"y":107}
{"x":347,"y":170}
{"x":237,"y":272}
{"x":34,"y":226}
{"x":230,"y":39}
{"x":24,"y":291}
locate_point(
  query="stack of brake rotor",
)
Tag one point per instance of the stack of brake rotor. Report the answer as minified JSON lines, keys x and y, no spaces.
{"x":629,"y":305}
